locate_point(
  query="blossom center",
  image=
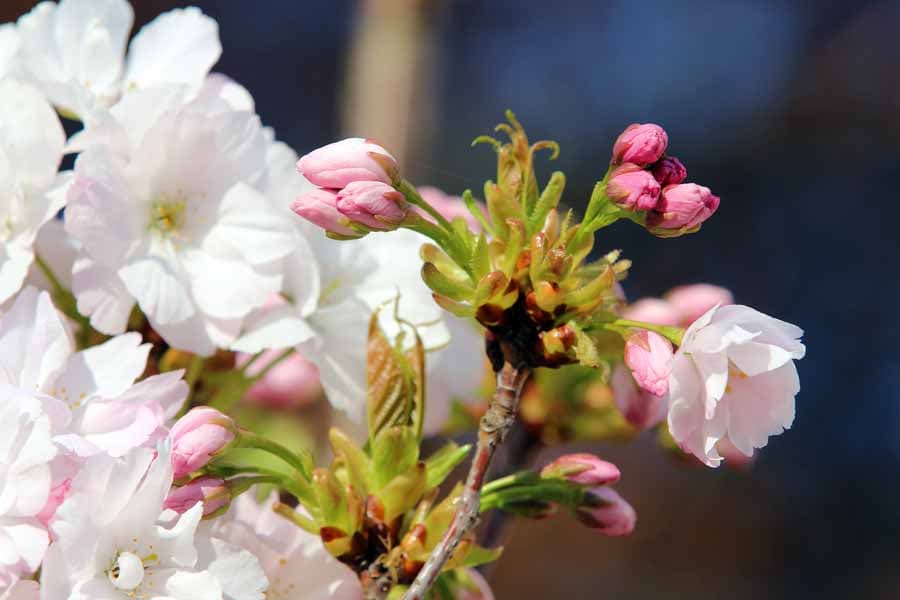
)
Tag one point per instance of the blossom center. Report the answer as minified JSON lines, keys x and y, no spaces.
{"x":167,"y":214}
{"x":127,"y":572}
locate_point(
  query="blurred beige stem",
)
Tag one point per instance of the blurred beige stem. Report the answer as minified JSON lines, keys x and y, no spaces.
{"x":388,"y":95}
{"x":495,"y":424}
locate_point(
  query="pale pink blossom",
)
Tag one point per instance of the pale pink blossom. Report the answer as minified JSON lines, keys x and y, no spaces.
{"x":319,"y":207}
{"x":653,"y":310}
{"x":633,"y":187}
{"x":640,"y":408}
{"x":669,"y":171}
{"x":353,"y":159}
{"x":733,"y":378}
{"x":292,"y":383}
{"x":694,"y":300}
{"x":682,"y":207}
{"x":372,"y":204}
{"x":582,"y":468}
{"x":197,"y":437}
{"x":649,"y":356}
{"x":606,"y":512}
{"x":642,"y":144}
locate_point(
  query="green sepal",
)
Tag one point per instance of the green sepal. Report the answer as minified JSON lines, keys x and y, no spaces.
{"x":453,"y":307}
{"x":476,"y":211}
{"x":358,"y":464}
{"x":445,"y":264}
{"x":455,"y":289}
{"x":441,"y":463}
{"x":474,"y":556}
{"x":481,"y":258}
{"x":394,"y":451}
{"x":331,"y":499}
{"x":489,"y":287}
{"x":403,"y":491}
{"x":548,"y":200}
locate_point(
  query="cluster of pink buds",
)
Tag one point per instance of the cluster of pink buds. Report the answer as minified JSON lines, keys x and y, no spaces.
{"x":197,"y":437}
{"x":643,"y":178}
{"x":355,"y":193}
{"x":601,"y":508}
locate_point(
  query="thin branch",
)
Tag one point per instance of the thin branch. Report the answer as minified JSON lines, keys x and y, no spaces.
{"x":495,"y":424}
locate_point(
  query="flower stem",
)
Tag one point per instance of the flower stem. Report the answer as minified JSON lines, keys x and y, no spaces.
{"x":413,"y":197}
{"x":495,"y":424}
{"x":252,"y":440}
{"x":296,"y":518}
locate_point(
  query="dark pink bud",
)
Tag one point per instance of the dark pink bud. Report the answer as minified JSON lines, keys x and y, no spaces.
{"x":641,"y":144}
{"x":346,"y":161}
{"x":606,"y":512}
{"x":372,"y":204}
{"x":683,"y":207}
{"x":583,"y":469}
{"x":633,"y":188}
{"x":319,"y":207}
{"x":211,"y":491}
{"x":649,"y":356}
{"x":197,"y":437}
{"x":669,"y":171}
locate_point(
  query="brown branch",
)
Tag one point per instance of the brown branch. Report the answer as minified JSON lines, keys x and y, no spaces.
{"x":495,"y":424}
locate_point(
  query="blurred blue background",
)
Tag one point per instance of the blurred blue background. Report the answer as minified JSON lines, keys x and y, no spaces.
{"x":789,"y":111}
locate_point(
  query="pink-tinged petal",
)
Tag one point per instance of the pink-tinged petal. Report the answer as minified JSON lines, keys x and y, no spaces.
{"x":101,"y":295}
{"x":713,"y":371}
{"x":291,"y":383}
{"x":582,"y":468}
{"x":372,"y":204}
{"x":319,"y":207}
{"x":761,"y":406}
{"x":694,"y":300}
{"x":653,"y":310}
{"x":641,"y":409}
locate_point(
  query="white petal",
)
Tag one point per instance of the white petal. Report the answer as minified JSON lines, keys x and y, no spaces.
{"x":106,"y":370}
{"x":101,"y":295}
{"x":181,"y":45}
{"x":57,"y":248}
{"x":33,"y":137}
{"x":186,"y":585}
{"x":33,"y":341}
{"x":278,"y":327}
{"x":237,"y":571}
{"x":713,"y":370}
{"x":229,"y":289}
{"x":14,"y":264}
{"x":156,"y":280}
{"x":218,"y":88}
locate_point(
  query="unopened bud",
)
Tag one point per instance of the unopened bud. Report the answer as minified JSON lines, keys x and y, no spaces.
{"x":641,"y":144}
{"x":649,"y":356}
{"x":372,"y":204}
{"x":353,"y":159}
{"x":669,"y":171}
{"x":211,"y":491}
{"x":582,"y":468}
{"x":558,"y":340}
{"x":641,"y":409}
{"x":682,"y":208}
{"x":633,"y":188}
{"x":319,"y":207}
{"x":197,"y":437}
{"x":606,"y":512}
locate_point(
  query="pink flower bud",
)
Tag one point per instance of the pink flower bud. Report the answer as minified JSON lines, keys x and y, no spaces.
{"x":641,"y":144}
{"x":372,"y":204}
{"x":633,"y":188}
{"x":653,"y":310}
{"x":692,"y":301}
{"x":198,"y":436}
{"x":606,"y":512}
{"x":649,"y":356}
{"x":319,"y":207}
{"x":583,"y":469}
{"x":211,"y":491}
{"x":449,"y":206}
{"x":292,"y":383}
{"x":669,"y":171}
{"x":346,"y":161}
{"x":683,"y":206}
{"x":641,"y":409}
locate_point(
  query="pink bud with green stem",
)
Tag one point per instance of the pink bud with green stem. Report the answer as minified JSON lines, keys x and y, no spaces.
{"x":341,"y":163}
{"x":633,"y":188}
{"x":649,"y":356}
{"x":682,"y":208}
{"x":606,"y":512}
{"x":582,"y":468}
{"x":211,"y":491}
{"x":319,"y":207}
{"x":372,"y":204}
{"x":641,"y":143}
{"x":197,"y":437}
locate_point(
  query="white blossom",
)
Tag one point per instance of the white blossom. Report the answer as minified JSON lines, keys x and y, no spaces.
{"x":22,"y":590}
{"x":75,"y":51}
{"x":164,"y":207}
{"x":733,"y":378}
{"x":295,"y":562}
{"x":114,"y":540}
{"x":31,"y":191}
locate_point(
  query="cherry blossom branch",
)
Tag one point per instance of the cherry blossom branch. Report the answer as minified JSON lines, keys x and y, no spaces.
{"x":495,"y":424}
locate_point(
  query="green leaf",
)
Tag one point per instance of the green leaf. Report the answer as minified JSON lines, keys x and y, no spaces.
{"x":394,"y":451}
{"x":441,"y":463}
{"x":455,"y":289}
{"x":389,"y":386}
{"x":548,"y":201}
{"x":358,"y":464}
{"x":481,"y":258}
{"x":403,"y":491}
{"x":476,"y":211}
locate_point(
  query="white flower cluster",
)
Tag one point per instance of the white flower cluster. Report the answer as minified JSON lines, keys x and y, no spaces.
{"x":178,"y":205}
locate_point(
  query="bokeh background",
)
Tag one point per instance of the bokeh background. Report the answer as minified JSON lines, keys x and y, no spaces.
{"x":790,"y":111}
